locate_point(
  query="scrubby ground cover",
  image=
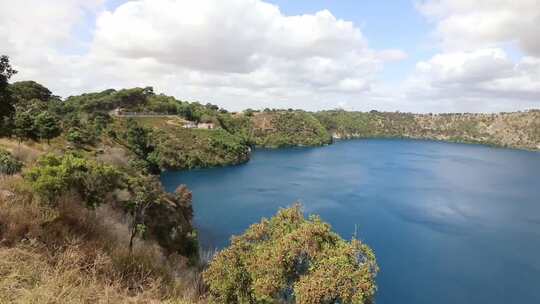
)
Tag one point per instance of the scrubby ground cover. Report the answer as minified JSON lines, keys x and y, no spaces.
{"x":516,"y":130}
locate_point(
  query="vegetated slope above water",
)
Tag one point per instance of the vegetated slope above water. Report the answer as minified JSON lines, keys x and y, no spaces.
{"x":181,"y":148}
{"x":516,"y":130}
{"x":295,"y":128}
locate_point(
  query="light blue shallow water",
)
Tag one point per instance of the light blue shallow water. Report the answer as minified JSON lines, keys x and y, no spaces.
{"x":449,"y":223}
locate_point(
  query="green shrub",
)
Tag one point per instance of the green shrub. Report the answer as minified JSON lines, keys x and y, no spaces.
{"x":47,"y":126}
{"x":290,"y":259}
{"x":75,"y":136}
{"x":55,"y":175}
{"x":8,"y":164}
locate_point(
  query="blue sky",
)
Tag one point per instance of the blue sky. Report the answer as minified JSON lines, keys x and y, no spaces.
{"x":392,"y":24}
{"x":420,"y":56}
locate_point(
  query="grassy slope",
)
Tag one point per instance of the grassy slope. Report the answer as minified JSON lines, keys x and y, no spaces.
{"x":69,"y":254}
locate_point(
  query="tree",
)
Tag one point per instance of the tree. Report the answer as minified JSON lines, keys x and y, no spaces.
{"x":290,"y":259}
{"x":249,"y":112}
{"x":212,"y":107}
{"x":145,"y":191}
{"x":138,"y":140}
{"x":23,"y":124}
{"x":170,"y":223}
{"x":6,"y":103}
{"x":54,"y":176}
{"x":47,"y":126}
{"x":75,"y":136}
{"x":28,"y":90}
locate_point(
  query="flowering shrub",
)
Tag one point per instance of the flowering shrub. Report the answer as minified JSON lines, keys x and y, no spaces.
{"x":290,"y":259}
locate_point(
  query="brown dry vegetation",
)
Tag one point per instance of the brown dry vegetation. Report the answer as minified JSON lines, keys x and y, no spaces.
{"x":69,"y":254}
{"x":25,"y":151}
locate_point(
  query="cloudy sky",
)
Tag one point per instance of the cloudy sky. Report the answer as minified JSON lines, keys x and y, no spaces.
{"x":417,"y":56}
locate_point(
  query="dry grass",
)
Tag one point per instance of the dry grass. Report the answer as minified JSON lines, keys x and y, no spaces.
{"x":114,"y":156}
{"x":28,"y":276}
{"x":26,"y":152}
{"x":20,"y":216}
{"x":68,"y":254}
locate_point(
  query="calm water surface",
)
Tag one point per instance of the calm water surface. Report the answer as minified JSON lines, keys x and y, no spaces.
{"x":449,"y":223}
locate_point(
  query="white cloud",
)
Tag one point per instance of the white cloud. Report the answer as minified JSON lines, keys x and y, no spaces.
{"x":241,"y":46}
{"x":26,"y":24}
{"x":238,"y":53}
{"x":480,"y":80}
{"x":32,"y":33}
{"x":469,"y":24}
{"x":247,"y":53}
{"x":473,"y":71}
{"x":466,"y":67}
{"x":238,"y":36}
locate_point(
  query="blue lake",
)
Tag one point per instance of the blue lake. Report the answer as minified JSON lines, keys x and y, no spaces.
{"x":449,"y":223}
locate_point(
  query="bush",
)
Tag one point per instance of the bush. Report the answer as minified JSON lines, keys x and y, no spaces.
{"x":290,"y":259}
{"x":47,"y":126}
{"x":75,"y":137}
{"x":8,"y":164}
{"x":54,"y":176}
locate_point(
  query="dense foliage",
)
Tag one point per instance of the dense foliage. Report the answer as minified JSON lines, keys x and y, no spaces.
{"x":33,"y":121}
{"x":291,"y":128}
{"x":164,"y":143}
{"x":28,"y":90}
{"x":198,"y":149}
{"x":273,"y":129}
{"x":55,"y":176}
{"x":142,"y":100}
{"x":8,"y":164}
{"x":290,"y":259}
{"x":6,"y":102}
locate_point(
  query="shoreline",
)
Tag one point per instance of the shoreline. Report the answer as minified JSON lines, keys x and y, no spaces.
{"x":253,"y":149}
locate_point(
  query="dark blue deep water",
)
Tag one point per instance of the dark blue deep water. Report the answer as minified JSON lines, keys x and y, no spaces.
{"x":449,"y":223}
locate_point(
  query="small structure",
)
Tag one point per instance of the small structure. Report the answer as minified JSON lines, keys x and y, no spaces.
{"x":119,"y":112}
{"x":190,"y":125}
{"x":202,"y":125}
{"x":116,"y":112}
{"x":205,"y":125}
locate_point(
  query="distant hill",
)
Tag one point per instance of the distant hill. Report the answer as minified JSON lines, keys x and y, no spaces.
{"x":515,"y":130}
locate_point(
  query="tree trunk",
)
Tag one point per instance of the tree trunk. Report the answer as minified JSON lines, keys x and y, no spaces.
{"x":132,"y":238}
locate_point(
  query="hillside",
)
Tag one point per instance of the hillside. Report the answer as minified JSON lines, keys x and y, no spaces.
{"x":275,"y":129}
{"x":179,"y":148}
{"x":282,"y":128}
{"x":515,"y":130}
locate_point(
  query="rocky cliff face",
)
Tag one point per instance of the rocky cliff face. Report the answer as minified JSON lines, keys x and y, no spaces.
{"x":516,"y":130}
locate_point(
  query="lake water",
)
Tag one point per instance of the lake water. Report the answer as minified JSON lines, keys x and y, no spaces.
{"x":449,"y":223}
